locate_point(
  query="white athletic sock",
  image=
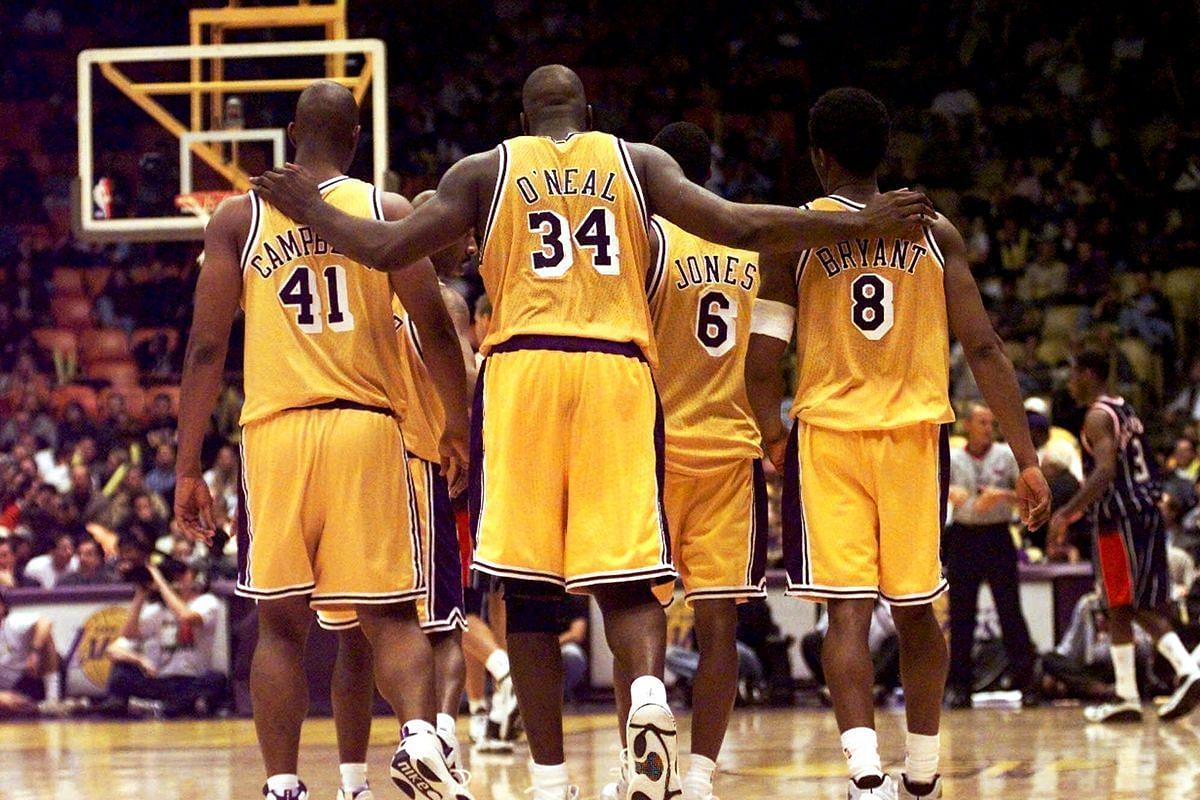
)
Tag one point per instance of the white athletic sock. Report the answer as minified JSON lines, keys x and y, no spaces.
{"x":416,"y":726}
{"x":354,"y":777}
{"x":53,"y":683}
{"x":497,"y":664}
{"x":477,"y":706}
{"x":1125,"y":668}
{"x":861,"y":748}
{"x":549,"y":779}
{"x":1173,"y":650}
{"x":448,"y":728}
{"x":698,"y":781}
{"x":283,"y":783}
{"x":921,"y":757}
{"x":647,"y":689}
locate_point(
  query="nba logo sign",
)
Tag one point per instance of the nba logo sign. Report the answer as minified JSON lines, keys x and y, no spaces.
{"x":102,"y":196}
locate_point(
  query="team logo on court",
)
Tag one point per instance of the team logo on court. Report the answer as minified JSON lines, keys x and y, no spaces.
{"x":95,"y":635}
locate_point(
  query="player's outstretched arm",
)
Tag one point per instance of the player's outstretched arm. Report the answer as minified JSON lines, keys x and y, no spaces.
{"x":766,"y":227}
{"x":218,"y":292}
{"x":1101,"y":436}
{"x":993,"y":371}
{"x":772,"y":324}
{"x":419,"y":291}
{"x":390,"y":245}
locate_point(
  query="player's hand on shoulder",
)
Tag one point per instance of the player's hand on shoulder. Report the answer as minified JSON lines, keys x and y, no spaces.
{"x":901,"y":212}
{"x":193,"y":509}
{"x":291,"y":189}
{"x":1033,"y":498}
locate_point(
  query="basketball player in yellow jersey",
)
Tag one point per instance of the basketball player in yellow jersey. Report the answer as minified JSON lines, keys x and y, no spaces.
{"x":866,"y":466}
{"x":331,"y":522}
{"x":566,"y":485}
{"x":701,"y":295}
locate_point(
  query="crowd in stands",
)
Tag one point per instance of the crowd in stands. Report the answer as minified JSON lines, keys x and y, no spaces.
{"x":1064,"y":144}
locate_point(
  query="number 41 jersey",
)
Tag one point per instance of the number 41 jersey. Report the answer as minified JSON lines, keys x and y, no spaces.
{"x":566,"y":248}
{"x":701,"y":297}
{"x":318,"y":325}
{"x":873,"y":339}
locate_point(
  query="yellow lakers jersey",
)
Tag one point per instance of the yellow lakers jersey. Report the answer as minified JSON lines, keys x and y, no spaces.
{"x":701,"y":297}
{"x":872,"y":340}
{"x":318,"y":325}
{"x":424,"y":417}
{"x":566,"y":249}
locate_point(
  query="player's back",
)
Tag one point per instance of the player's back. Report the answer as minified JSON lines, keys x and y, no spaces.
{"x":318,"y":325}
{"x":701,"y":296}
{"x":566,"y":248}
{"x":1135,"y":488}
{"x":873,"y":341}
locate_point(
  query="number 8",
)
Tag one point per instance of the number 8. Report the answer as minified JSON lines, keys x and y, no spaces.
{"x":873,"y":311}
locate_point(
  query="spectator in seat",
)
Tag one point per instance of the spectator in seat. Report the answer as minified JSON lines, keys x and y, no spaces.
{"x":161,"y":478}
{"x":1080,"y":666}
{"x":55,"y":466}
{"x":28,"y":661}
{"x":11,"y":576}
{"x":223,"y":480}
{"x":49,"y":568}
{"x":161,"y":424}
{"x":573,"y":620}
{"x":1185,"y":408}
{"x":91,"y":570}
{"x":87,"y":502}
{"x":165,"y":650}
{"x":881,"y":639}
{"x":155,"y":358}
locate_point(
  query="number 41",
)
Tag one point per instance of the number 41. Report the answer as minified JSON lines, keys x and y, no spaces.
{"x":298,"y":293}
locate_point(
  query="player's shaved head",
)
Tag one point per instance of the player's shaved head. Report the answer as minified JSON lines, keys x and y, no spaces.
{"x":422,"y":198}
{"x":326,"y":123}
{"x":554,"y":94}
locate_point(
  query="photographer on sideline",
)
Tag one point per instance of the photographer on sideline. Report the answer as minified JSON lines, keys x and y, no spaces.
{"x":165,"y":650}
{"x":27,"y":659}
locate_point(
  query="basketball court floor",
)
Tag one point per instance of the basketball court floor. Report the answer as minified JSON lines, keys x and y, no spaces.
{"x":987,"y":753}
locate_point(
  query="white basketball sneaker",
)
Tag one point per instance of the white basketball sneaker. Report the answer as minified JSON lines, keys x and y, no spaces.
{"x":364,"y":793}
{"x":882,"y":791}
{"x":619,"y":789}
{"x":920,"y":791}
{"x":651,"y":757}
{"x":420,"y":769}
{"x":1120,"y":711}
{"x":1183,"y":700}
{"x":505,"y":713}
{"x":570,"y":793}
{"x":300,"y":793}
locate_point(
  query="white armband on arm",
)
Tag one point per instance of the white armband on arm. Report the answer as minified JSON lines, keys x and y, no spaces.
{"x":773,"y":318}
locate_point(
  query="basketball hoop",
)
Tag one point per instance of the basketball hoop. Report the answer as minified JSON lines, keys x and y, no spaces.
{"x":201,"y":204}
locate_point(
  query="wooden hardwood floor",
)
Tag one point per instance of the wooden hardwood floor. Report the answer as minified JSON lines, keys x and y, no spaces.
{"x":1037,"y":753}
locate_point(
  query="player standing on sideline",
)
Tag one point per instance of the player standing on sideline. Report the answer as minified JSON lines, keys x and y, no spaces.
{"x":566,"y":487}
{"x":867,"y":460}
{"x":701,"y":295}
{"x":1121,"y":491}
{"x":440,"y":610}
{"x":331,"y":519}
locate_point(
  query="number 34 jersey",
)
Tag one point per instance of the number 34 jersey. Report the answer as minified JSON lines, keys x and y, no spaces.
{"x":701,"y":298}
{"x":567,"y":248}
{"x":872,"y":337}
{"x":318,"y":325}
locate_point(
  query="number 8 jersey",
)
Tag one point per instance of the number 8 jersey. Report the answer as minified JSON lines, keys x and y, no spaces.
{"x":318,"y":325}
{"x":701,"y":297}
{"x":566,"y":248}
{"x":872,"y":340}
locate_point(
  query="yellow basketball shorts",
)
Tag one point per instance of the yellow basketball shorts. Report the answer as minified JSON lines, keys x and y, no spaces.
{"x":718,"y":523}
{"x":567,"y":466}
{"x":863,"y":513}
{"x":330,"y":510}
{"x":440,"y":606}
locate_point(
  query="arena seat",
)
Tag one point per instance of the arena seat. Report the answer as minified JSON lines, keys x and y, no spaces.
{"x":67,"y":280}
{"x":1015,"y":350}
{"x":117,"y":373}
{"x":144,"y":334}
{"x":58,"y":340}
{"x":1059,"y":322}
{"x":1146,"y":364}
{"x":1182,"y":289}
{"x":71,"y":311}
{"x":62,"y":396}
{"x":1053,"y":352}
{"x":103,"y":344}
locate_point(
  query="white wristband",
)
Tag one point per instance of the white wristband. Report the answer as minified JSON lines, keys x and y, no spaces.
{"x":773,"y":318}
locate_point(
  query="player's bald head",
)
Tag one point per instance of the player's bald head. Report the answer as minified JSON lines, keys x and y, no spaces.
{"x":326,"y":120}
{"x":422,"y":198}
{"x":554,"y":92}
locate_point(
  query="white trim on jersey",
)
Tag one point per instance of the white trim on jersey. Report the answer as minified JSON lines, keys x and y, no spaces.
{"x":255,"y":228}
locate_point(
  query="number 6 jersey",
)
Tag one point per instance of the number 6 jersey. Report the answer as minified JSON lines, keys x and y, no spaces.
{"x":566,"y":248}
{"x":701,"y":297}
{"x":318,"y":325}
{"x":872,"y":337}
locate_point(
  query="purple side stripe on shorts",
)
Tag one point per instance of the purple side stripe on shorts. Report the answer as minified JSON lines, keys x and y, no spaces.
{"x":475,"y":470}
{"x":758,"y":558}
{"x":794,"y":535}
